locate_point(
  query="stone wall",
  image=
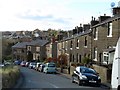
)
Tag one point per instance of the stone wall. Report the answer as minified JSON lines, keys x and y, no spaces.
{"x":104,"y":73}
{"x":71,"y":70}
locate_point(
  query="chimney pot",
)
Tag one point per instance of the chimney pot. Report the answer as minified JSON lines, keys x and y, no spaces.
{"x":80,"y":25}
{"x":92,"y":18}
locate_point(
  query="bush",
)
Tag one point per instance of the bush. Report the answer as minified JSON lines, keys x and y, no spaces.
{"x":86,"y":60}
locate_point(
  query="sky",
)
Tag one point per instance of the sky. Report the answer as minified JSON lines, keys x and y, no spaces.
{"x":17,"y":15}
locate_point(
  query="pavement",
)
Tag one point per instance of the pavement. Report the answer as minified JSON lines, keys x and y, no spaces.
{"x":105,"y":85}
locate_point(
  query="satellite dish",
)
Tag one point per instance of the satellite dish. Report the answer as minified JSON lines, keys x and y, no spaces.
{"x":112,"y":4}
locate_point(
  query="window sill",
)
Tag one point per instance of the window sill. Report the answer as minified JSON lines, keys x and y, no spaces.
{"x":70,"y":48}
{"x":95,"y":59}
{"x":109,"y":36}
{"x":77,"y":47}
{"x":85,"y":46}
{"x":95,"y":39}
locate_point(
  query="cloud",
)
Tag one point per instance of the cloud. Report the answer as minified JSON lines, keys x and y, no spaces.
{"x":44,"y":14}
{"x":37,"y":15}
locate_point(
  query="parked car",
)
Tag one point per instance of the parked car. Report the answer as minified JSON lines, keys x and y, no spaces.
{"x":27,"y":64}
{"x":49,"y":68}
{"x":41,"y":67}
{"x":2,"y":65}
{"x":37,"y":65}
{"x":23,"y":63}
{"x":32,"y":65}
{"x":83,"y":75}
{"x":17,"y":62}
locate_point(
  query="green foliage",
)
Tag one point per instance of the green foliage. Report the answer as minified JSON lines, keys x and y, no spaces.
{"x":86,"y":60}
{"x":10,"y":76}
{"x":9,"y":57}
{"x":7,"y":48}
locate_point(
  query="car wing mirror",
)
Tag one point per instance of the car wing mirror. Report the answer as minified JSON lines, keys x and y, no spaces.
{"x":74,"y":71}
{"x":97,"y":73}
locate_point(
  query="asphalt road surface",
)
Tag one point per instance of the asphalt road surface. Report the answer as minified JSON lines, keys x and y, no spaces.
{"x":36,"y":80}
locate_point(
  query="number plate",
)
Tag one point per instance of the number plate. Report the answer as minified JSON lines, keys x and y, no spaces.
{"x":92,"y":81}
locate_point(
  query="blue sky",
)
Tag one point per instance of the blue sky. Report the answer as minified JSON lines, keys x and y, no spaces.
{"x":17,"y":15}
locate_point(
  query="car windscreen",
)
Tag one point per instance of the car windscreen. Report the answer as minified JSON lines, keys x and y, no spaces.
{"x":51,"y":65}
{"x":33,"y":63}
{"x":88,"y":70}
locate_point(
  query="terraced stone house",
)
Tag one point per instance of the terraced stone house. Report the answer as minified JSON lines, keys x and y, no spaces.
{"x":36,"y":48}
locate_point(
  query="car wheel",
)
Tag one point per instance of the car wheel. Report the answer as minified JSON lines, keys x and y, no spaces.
{"x":73,"y":79}
{"x":118,"y":88}
{"x":79,"y":82}
{"x":46,"y":72}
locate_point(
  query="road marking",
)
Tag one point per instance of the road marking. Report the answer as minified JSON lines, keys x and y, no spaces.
{"x":54,"y":85}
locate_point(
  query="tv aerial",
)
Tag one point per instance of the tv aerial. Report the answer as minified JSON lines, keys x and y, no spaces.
{"x":112,"y":4}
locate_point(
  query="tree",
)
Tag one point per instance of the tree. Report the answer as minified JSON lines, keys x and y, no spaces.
{"x":62,"y":60}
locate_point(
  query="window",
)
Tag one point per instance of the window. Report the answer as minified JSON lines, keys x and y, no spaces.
{"x":18,"y":51}
{"x":29,"y":48}
{"x":22,"y":50}
{"x":77,"y":43}
{"x":109,"y":33}
{"x":85,"y":41}
{"x":80,"y":58}
{"x":73,"y":58}
{"x":34,"y":56}
{"x":70,"y":57}
{"x":66,"y":45}
{"x":95,"y":54}
{"x":71,"y":44}
{"x":77,"y":57}
{"x":63,"y":45}
{"x":105,"y":57}
{"x":37,"y":49}
{"x":37,"y":57}
{"x":96,"y":33}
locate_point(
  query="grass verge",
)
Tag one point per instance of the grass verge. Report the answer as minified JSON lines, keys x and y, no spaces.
{"x":10,"y":75}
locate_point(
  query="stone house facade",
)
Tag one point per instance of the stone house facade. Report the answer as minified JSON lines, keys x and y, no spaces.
{"x":19,"y":51}
{"x":48,"y":50}
{"x":36,"y":48}
{"x":95,"y":41}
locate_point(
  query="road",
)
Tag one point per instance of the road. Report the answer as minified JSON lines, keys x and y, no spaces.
{"x":36,"y":80}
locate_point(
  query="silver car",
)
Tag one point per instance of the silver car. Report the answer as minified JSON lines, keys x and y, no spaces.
{"x":32,"y":65}
{"x":49,"y":68}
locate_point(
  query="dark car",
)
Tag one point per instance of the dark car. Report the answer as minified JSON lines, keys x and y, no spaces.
{"x":83,"y":75}
{"x":17,"y":62}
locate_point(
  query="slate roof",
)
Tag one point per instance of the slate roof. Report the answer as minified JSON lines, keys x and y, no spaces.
{"x":109,"y":50}
{"x":34,"y":42}
{"x":108,"y":20}
{"x":77,"y":35}
{"x":20,"y":45}
{"x":38,"y":42}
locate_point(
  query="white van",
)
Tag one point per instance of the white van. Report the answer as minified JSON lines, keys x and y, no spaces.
{"x":115,"y":79}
